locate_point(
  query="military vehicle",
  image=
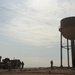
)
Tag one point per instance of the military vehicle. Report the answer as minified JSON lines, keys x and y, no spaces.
{"x":10,"y":64}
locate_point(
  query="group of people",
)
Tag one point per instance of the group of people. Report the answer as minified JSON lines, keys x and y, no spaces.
{"x":51,"y":62}
{"x":22,"y":64}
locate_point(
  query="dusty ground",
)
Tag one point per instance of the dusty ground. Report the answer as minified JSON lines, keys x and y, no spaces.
{"x":39,"y":71}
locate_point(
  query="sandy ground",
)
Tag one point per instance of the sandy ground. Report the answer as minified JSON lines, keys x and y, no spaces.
{"x":39,"y":71}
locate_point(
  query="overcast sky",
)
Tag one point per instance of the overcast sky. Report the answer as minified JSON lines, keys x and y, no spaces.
{"x":29,"y":30}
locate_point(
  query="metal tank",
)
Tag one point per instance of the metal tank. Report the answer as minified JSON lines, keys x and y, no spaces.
{"x":67,"y":29}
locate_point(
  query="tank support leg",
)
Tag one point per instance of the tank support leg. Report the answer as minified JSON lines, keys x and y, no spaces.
{"x":73,"y":53}
{"x":61,"y":49}
{"x":68,"y":52}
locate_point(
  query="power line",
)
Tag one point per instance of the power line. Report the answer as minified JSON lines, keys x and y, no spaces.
{"x":24,"y":14}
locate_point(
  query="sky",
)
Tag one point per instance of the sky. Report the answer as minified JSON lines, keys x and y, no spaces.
{"x":29,"y":30}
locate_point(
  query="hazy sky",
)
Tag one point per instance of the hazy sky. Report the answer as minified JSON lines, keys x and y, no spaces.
{"x":29,"y":30}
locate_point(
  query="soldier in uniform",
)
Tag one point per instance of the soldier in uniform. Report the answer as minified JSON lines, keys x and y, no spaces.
{"x":51,"y":64}
{"x":22,"y":64}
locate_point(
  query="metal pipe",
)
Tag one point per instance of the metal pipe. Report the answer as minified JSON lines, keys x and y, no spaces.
{"x":73,"y":53}
{"x":68,"y":52}
{"x":61,"y":49}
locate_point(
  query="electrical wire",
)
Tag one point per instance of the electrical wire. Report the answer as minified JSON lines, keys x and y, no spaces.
{"x":24,"y":15}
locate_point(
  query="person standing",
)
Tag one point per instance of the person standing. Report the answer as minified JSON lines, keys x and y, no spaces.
{"x":22,"y":64}
{"x":51,"y":64}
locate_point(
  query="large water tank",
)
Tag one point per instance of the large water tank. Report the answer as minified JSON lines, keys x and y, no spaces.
{"x":67,"y":28}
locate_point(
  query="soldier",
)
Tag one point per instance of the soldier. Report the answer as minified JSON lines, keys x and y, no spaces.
{"x":51,"y":64}
{"x":22,"y":64}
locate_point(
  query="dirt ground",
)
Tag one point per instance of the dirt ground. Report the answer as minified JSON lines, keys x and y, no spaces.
{"x":39,"y":71}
